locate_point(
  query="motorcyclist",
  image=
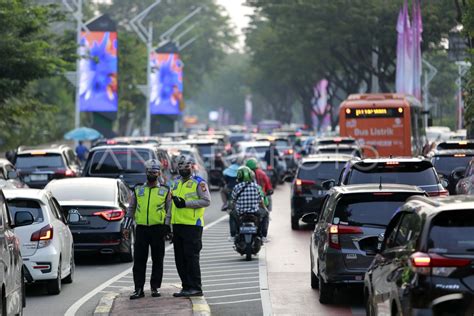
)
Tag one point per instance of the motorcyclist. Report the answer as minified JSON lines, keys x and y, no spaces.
{"x":272,"y":158}
{"x":230,"y":180}
{"x":247,"y":199}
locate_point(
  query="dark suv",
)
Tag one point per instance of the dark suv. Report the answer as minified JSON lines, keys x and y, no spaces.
{"x":426,"y":264}
{"x":307,"y":191}
{"x":451,"y":164}
{"x":351,"y":224}
{"x":126,"y":163}
{"x":40,"y":165}
{"x":410,"y":171}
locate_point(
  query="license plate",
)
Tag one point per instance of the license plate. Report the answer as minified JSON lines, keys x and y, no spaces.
{"x":309,"y":199}
{"x":39,"y":177}
{"x":248,"y":230}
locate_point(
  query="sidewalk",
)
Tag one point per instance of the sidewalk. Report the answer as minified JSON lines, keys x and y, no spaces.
{"x":119,"y":304}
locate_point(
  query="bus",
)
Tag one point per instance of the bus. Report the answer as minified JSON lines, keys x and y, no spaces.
{"x":384,"y":124}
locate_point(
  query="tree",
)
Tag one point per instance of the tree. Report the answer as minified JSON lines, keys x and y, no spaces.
{"x":29,"y":51}
{"x":307,"y":40}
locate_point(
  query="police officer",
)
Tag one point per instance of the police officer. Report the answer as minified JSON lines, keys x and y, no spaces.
{"x":150,"y":207}
{"x":190,"y":197}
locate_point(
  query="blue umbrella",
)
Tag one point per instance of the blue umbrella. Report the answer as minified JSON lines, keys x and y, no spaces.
{"x":82,"y":133}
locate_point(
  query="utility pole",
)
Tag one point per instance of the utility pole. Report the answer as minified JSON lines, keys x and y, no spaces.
{"x":147,"y":37}
{"x":77,"y":13}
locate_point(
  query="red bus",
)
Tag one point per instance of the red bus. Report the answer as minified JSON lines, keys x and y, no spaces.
{"x":384,"y":124}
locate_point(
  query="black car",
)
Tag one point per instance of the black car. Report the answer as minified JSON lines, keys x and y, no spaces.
{"x":352,"y":220}
{"x":425,"y":265}
{"x":411,"y":171}
{"x":102,"y":205}
{"x":450,"y":163}
{"x":126,"y":163}
{"x":307,"y":191}
{"x":40,"y":165}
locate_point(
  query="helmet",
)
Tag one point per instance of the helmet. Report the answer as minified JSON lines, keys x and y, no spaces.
{"x":244,"y":174}
{"x":252,"y":163}
{"x":185,"y":162}
{"x":152,"y":165}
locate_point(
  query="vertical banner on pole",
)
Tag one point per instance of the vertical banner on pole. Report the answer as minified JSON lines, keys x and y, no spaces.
{"x":248,"y":111}
{"x":166,"y":83}
{"x":98,"y":72}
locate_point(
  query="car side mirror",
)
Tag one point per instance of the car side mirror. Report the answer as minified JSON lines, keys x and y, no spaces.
{"x":73,"y":216}
{"x":328,"y":184}
{"x":444,"y":183}
{"x":23,"y":218}
{"x":12,"y":174}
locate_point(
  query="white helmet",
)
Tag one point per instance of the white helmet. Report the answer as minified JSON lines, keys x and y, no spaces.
{"x":152,"y":165}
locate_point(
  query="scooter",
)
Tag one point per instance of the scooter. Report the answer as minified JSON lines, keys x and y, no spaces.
{"x":247,"y":242}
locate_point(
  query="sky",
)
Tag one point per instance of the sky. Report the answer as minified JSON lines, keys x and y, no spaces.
{"x":238,"y":14}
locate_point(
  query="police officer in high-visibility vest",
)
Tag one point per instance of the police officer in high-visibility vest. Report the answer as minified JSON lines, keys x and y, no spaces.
{"x":150,"y":207}
{"x":190,"y":198}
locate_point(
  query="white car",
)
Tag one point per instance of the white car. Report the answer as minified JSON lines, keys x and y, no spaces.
{"x":46,"y":244}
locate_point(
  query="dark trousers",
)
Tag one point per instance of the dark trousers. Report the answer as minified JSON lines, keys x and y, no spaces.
{"x":146,"y":237}
{"x":187,"y":241}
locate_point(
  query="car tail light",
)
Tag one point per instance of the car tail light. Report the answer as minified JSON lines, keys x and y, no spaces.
{"x":298,"y":156}
{"x":300,"y":183}
{"x":438,"y":193}
{"x":336,"y":230}
{"x":43,"y":236}
{"x":288,"y":152}
{"x":435,"y":264}
{"x":111,"y":215}
{"x":269,"y":167}
{"x":65,"y":172}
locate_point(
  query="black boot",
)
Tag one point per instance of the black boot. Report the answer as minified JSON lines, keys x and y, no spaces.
{"x":155,"y":292}
{"x":137,"y":294}
{"x":182,"y":293}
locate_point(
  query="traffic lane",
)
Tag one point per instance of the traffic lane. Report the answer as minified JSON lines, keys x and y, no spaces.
{"x":213,"y":212}
{"x":288,"y":266}
{"x":90,"y":272}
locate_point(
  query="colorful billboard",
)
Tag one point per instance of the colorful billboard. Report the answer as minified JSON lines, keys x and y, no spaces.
{"x":98,"y":72}
{"x":166,"y":81}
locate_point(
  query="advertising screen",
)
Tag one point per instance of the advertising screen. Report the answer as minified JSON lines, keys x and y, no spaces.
{"x":166,"y":81}
{"x":98,"y":72}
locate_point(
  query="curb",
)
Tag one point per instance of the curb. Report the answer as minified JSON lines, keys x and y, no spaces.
{"x":200,"y":306}
{"x":105,"y":304}
{"x":263,"y":278}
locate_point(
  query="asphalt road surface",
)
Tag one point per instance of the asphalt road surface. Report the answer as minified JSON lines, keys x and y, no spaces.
{"x":277,"y":281}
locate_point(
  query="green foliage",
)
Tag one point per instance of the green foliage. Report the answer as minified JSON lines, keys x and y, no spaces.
{"x":467,"y":12}
{"x":29,"y":52}
{"x":297,"y":43}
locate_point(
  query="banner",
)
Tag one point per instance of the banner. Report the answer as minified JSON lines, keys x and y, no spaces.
{"x":248,"y":111}
{"x":98,"y":72}
{"x":321,"y":110}
{"x":166,"y":81}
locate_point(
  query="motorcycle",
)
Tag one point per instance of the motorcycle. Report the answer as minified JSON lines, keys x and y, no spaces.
{"x":248,"y":242}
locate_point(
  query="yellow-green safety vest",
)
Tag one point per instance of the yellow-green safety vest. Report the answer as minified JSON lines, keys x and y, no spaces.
{"x":151,"y":202}
{"x":188,"y":191}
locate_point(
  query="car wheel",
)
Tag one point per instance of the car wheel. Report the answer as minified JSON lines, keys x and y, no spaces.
{"x":314,"y":277}
{"x":54,"y":286}
{"x":128,"y":256}
{"x":70,"y":278}
{"x":295,"y":223}
{"x":326,"y":291}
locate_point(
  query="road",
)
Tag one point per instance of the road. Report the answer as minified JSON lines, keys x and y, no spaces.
{"x":277,"y":281}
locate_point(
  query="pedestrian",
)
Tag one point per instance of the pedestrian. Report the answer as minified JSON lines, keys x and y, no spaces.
{"x":150,"y":207}
{"x":190,"y":198}
{"x":82,"y":151}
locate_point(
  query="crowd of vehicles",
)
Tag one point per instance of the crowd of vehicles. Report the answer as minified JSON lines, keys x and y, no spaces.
{"x":378,"y":213}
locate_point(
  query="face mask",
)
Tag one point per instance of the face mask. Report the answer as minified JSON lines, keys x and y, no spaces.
{"x":185,"y":173}
{"x":151,"y":177}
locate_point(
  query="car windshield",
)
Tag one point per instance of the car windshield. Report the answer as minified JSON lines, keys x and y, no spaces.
{"x":368,"y":209}
{"x":112,"y":161}
{"x":31,"y":206}
{"x":282,"y":143}
{"x":446,"y":164}
{"x":320,"y":170}
{"x":452,"y":232}
{"x":39,"y":161}
{"x":412,"y":174}
{"x":342,"y":151}
{"x":259,"y":151}
{"x":205,"y":149}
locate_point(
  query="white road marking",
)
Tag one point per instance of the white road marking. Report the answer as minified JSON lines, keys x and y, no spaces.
{"x":233,"y":289}
{"x":234,"y":283}
{"x":264,"y":289}
{"x":223,"y":296}
{"x":230,"y":279}
{"x":231,"y":274}
{"x":72,"y":310}
{"x":236,"y":302}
